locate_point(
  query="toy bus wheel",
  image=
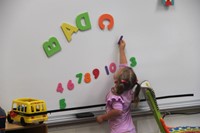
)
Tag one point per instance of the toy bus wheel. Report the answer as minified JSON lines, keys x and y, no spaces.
{"x":41,"y":122}
{"x":9,"y":119}
{"x":23,"y":121}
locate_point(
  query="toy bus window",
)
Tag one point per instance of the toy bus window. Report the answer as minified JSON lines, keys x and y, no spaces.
{"x":19,"y":107}
{"x":38,"y":107}
{"x":14,"y":106}
{"x":32,"y":109}
{"x":23,"y":108}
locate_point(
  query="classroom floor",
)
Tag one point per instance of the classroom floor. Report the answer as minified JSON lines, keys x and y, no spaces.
{"x":90,"y":127}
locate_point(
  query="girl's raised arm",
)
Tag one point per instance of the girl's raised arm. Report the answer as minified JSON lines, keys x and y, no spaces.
{"x":122,"y":55}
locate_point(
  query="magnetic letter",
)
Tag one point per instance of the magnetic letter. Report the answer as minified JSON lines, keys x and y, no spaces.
{"x":51,"y":47}
{"x":85,"y":17}
{"x":68,"y":30}
{"x":107,"y":17}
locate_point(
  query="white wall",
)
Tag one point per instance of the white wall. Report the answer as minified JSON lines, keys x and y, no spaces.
{"x":143,"y":125}
{"x":25,"y":25}
{"x":165,"y":42}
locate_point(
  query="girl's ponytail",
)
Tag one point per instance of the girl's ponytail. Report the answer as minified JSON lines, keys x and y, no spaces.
{"x":136,"y":94}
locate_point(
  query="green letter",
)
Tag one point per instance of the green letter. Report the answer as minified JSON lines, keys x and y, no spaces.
{"x":86,"y":19}
{"x":51,"y":47}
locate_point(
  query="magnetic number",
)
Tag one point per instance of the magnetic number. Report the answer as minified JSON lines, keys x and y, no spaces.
{"x":79,"y":76}
{"x":70,"y":85}
{"x":96,"y":73}
{"x":59,"y":88}
{"x":112,"y":68}
{"x":87,"y":78}
{"x":62,"y":103}
{"x":133,"y":62}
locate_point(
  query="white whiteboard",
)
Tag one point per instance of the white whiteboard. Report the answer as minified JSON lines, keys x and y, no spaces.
{"x":164,"y":41}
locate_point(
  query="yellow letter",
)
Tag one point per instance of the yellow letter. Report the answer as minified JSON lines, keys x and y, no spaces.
{"x":68,"y":30}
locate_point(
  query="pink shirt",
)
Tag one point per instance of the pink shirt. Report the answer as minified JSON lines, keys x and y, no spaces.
{"x":124,"y":122}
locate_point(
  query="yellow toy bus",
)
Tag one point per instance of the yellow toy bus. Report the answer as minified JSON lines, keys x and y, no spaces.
{"x":27,"y":111}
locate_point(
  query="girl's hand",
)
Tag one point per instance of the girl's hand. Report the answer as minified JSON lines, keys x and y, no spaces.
{"x":109,"y":115}
{"x":100,"y":119}
{"x":122,"y":44}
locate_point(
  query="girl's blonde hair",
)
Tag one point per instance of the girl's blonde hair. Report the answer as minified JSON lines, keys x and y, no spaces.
{"x":126,"y":80}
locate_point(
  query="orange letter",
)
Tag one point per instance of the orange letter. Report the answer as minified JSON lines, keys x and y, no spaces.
{"x":107,"y":17}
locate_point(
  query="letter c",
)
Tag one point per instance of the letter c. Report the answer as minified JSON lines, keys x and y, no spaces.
{"x":107,"y":17}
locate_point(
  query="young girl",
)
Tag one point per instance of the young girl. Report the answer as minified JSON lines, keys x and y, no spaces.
{"x":119,"y":99}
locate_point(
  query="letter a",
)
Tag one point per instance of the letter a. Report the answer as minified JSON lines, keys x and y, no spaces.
{"x":85,"y":17}
{"x":51,"y":47}
{"x":68,"y":30}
